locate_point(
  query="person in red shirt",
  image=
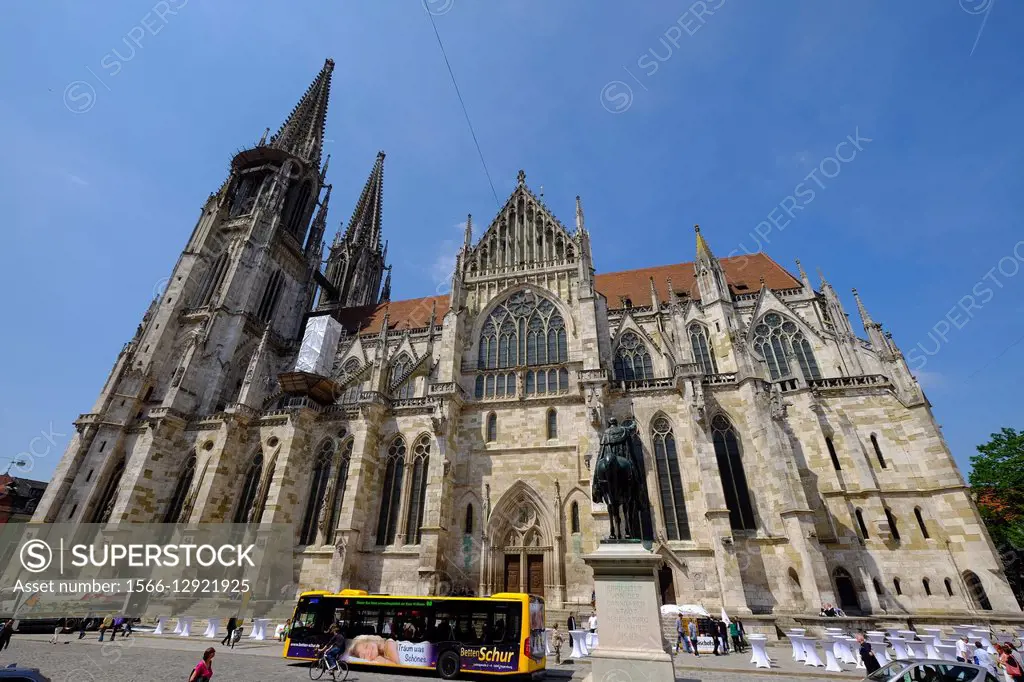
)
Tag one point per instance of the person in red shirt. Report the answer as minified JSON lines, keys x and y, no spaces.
{"x":204,"y":668}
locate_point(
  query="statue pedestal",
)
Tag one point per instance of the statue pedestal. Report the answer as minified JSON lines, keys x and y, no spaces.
{"x":631,"y":645}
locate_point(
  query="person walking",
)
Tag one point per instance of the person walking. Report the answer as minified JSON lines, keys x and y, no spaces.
{"x":871,"y":663}
{"x":680,"y":634}
{"x":592,"y":623}
{"x":556,"y":642}
{"x":236,"y":637}
{"x":232,"y":624}
{"x":1010,"y":664}
{"x":204,"y":668}
{"x":81,"y":627}
{"x":723,"y":634}
{"x":734,"y":634}
{"x":983,"y":658}
{"x":692,"y":632}
{"x":570,"y":625}
{"x":104,"y":626}
{"x":6,"y":633}
{"x":963,"y":653}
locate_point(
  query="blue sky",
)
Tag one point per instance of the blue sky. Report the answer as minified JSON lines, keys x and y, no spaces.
{"x":106,"y":171}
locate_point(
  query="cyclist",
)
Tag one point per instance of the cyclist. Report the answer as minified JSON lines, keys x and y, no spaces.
{"x":334,"y":648}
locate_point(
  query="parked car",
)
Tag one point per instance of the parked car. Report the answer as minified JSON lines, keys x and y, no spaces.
{"x":931,"y":670}
{"x":14,"y":672}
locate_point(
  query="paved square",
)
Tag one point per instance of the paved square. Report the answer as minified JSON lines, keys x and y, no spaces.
{"x":171,"y":659}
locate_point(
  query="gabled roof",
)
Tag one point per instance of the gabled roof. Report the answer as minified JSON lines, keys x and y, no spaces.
{"x":740,"y":271}
{"x":743,"y":273}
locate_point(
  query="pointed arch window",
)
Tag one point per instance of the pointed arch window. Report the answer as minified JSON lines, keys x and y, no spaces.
{"x":860,"y":523}
{"x":734,"y":479}
{"x":271,"y":294}
{"x":418,"y":490}
{"x":492,"y":427}
{"x":295,"y":205}
{"x":897,"y":585}
{"x":401,"y":383}
{"x":351,"y":394}
{"x":317,"y":492}
{"x":467,"y":528}
{"x":893,"y":529}
{"x":632,"y":359}
{"x":340,"y":482}
{"x":391,"y":493}
{"x":670,"y":483}
{"x":526,"y":329}
{"x":779,"y":340}
{"x":181,"y":491}
{"x":949,"y":586}
{"x":878,"y":451}
{"x":927,"y":585}
{"x":832,"y":453}
{"x":702,"y":354}
{"x":250,"y":486}
{"x":977,"y":591}
{"x":102,"y":511}
{"x":552,"y":424}
{"x":211,"y":281}
{"x":574,"y":517}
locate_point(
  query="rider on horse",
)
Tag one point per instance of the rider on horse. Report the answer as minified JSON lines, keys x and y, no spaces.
{"x":618,"y":476}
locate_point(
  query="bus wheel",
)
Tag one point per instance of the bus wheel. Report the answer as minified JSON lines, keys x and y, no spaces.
{"x":448,"y":665}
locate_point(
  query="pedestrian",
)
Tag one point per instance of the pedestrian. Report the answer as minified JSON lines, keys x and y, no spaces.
{"x":592,"y":623}
{"x":6,"y":633}
{"x":680,"y":633}
{"x":204,"y":668}
{"x":232,"y":624}
{"x":983,"y":658}
{"x":871,"y":663}
{"x":692,"y":631}
{"x":723,"y":634}
{"x":570,"y":624}
{"x":55,"y":639}
{"x":963,"y":653}
{"x":127,"y":627}
{"x":82,"y":625}
{"x":557,"y":641}
{"x":114,"y":628}
{"x":1010,"y":664}
{"x":714,"y":637}
{"x":743,"y":633}
{"x":104,"y":626}
{"x":734,"y":634}
{"x":236,"y":636}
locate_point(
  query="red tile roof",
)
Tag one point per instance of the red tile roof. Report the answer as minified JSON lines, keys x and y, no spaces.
{"x":740,"y":271}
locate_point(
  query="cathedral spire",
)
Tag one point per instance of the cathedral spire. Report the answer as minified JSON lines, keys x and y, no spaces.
{"x":865,"y":317}
{"x":579,"y":216}
{"x":711,"y":280}
{"x":302,"y":134}
{"x":703,"y":250}
{"x":316,"y":232}
{"x":468,"y":241}
{"x":385,"y":295}
{"x":365,"y":224}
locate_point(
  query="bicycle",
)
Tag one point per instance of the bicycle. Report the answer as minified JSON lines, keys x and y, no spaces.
{"x":338,"y":673}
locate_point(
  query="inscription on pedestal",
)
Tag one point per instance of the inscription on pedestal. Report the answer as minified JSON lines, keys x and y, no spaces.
{"x":625,"y":609}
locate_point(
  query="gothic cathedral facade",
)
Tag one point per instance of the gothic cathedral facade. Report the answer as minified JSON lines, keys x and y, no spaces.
{"x":445,"y":444}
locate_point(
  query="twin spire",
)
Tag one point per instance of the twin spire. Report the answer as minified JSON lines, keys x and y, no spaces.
{"x":302,"y":134}
{"x":365,"y":225}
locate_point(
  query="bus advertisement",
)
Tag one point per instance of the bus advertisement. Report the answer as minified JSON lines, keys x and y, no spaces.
{"x":500,"y":634}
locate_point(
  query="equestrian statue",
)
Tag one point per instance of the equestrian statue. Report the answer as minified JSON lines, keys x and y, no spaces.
{"x":619,"y":481}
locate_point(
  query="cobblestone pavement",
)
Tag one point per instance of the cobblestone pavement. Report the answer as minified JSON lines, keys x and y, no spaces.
{"x":149,"y":659}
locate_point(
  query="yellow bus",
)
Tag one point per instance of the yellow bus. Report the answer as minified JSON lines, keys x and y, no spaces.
{"x":502,"y":634}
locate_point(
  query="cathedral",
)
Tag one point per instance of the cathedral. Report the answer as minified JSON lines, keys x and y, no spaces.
{"x":445,"y":444}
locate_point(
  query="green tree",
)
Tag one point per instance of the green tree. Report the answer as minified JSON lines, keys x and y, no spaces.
{"x":997,"y":479}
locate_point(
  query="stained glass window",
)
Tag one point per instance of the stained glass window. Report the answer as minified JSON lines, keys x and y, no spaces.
{"x":391,"y":492}
{"x":526,"y":329}
{"x":632,"y":359}
{"x":702,"y":354}
{"x":730,"y":469}
{"x":670,"y":482}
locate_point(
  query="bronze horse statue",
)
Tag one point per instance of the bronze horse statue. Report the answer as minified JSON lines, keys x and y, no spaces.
{"x":618,"y":479}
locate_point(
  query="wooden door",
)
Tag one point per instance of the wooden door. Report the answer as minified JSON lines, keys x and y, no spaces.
{"x":535,"y":574}
{"x":512,"y":573}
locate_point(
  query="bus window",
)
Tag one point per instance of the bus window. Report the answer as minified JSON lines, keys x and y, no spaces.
{"x":364,"y":621}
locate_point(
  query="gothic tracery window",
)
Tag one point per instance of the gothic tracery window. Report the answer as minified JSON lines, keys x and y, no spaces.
{"x":391,"y":492}
{"x":250,"y":487}
{"x":734,"y":479}
{"x":181,"y":491}
{"x":418,"y":490}
{"x":105,"y":505}
{"x":351,"y":394}
{"x":317,"y":491}
{"x":340,"y":481}
{"x":670,"y":482}
{"x":702,"y":354}
{"x":779,"y":341}
{"x":632,"y":359}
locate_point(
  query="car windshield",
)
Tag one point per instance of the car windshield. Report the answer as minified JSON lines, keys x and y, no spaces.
{"x":885,"y":673}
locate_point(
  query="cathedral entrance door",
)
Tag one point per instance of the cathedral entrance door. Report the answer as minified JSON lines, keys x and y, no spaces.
{"x":512,"y":573}
{"x":666,"y":585}
{"x":535,"y":574}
